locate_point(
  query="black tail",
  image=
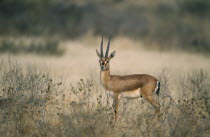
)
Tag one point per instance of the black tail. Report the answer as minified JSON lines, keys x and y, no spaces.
{"x":158,"y":88}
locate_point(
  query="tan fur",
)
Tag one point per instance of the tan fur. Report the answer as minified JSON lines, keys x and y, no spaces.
{"x":128,"y":86}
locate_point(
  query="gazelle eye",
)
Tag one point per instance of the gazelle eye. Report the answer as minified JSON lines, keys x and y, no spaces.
{"x":107,"y":62}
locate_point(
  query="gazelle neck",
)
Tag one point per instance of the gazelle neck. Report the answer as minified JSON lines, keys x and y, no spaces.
{"x":105,"y":78}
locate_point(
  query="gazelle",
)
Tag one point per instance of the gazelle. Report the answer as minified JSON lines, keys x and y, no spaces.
{"x":128,"y":86}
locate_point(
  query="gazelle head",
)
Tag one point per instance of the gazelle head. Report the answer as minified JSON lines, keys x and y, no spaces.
{"x":104,"y":60}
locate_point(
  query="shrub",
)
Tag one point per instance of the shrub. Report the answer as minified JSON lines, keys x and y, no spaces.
{"x":24,"y":95}
{"x":195,"y":7}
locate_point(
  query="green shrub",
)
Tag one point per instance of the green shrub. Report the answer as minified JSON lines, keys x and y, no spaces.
{"x":195,"y":7}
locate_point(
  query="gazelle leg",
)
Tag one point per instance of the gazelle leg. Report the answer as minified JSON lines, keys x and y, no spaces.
{"x":116,"y":105}
{"x":154,"y":103}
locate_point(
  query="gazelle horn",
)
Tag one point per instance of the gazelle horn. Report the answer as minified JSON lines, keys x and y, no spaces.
{"x":102,"y":54}
{"x":107,"y":49}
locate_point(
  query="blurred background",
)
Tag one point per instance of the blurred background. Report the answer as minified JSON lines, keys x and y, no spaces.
{"x":161,"y":24}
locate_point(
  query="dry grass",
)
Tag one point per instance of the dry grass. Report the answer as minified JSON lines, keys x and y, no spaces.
{"x":130,"y":58}
{"x":35,"y":102}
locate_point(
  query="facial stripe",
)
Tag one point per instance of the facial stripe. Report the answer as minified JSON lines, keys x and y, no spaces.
{"x":103,"y":63}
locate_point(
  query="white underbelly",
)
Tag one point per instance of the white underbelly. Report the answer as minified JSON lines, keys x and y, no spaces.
{"x":131,"y":94}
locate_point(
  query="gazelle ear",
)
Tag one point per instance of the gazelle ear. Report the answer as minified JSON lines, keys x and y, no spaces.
{"x":99,"y":55}
{"x":112,"y":54}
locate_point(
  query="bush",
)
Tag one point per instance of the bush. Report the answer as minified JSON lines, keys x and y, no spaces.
{"x":23,"y":100}
{"x":195,"y":7}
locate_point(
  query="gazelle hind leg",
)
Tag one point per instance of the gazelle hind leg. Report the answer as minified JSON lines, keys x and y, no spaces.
{"x":156,"y":105}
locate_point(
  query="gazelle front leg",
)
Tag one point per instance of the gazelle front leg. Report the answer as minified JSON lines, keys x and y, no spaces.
{"x":116,"y":104}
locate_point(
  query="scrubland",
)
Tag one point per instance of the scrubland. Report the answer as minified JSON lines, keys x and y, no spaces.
{"x":50,"y":95}
{"x":49,"y":71}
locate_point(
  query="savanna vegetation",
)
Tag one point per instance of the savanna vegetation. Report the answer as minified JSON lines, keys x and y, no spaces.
{"x":35,"y":104}
{"x":49,"y":73}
